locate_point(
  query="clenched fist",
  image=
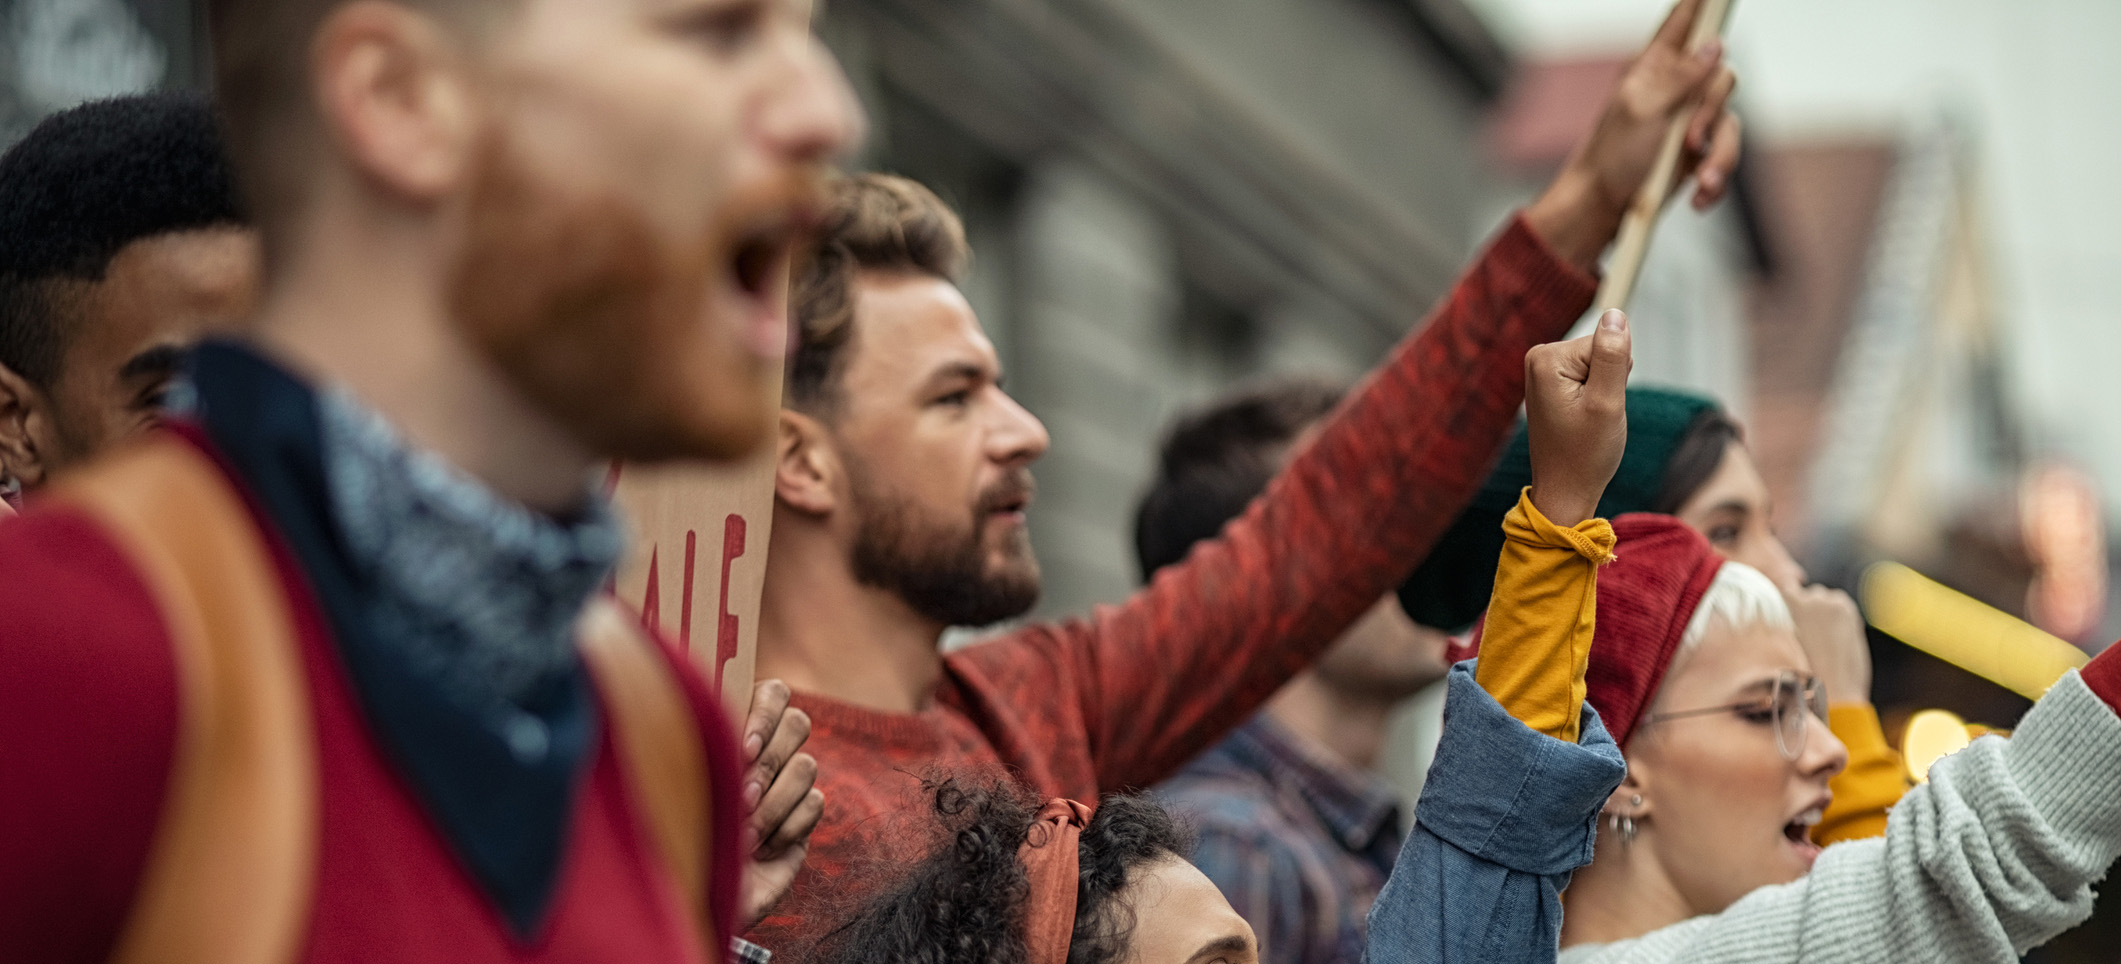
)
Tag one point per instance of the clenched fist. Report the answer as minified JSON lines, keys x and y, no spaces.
{"x":1576,"y":406}
{"x":1830,"y":628}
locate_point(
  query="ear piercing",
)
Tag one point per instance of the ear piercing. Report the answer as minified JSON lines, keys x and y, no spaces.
{"x":1624,"y":824}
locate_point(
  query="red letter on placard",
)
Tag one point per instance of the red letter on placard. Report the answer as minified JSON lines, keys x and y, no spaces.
{"x":726,"y":631}
{"x":652,"y":599}
{"x":692,"y":554}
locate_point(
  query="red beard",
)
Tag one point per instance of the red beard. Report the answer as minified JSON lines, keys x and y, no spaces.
{"x":601,"y":321}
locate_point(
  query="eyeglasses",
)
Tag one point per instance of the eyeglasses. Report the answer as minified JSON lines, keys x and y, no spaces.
{"x":1792,"y":700}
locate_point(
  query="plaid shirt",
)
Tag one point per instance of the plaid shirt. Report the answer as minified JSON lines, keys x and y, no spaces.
{"x":1300,"y":844}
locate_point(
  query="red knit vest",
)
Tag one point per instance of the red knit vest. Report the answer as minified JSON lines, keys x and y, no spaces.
{"x":331,"y":857}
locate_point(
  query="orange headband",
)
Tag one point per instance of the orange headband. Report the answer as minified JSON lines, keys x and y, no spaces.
{"x":1050,"y":862}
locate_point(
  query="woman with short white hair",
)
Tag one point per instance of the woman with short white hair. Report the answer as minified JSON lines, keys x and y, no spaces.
{"x":1704,"y":854}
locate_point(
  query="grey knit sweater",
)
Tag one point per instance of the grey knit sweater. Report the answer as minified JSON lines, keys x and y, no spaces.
{"x":1993,"y":857}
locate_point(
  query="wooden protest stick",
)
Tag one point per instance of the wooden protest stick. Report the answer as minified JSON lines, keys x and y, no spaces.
{"x":696,"y":562}
{"x":1640,"y":222}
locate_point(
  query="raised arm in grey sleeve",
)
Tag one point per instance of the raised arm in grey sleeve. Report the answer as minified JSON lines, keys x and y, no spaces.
{"x":1993,"y":857}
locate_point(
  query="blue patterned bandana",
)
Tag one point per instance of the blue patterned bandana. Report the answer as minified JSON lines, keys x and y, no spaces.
{"x":483,"y":593}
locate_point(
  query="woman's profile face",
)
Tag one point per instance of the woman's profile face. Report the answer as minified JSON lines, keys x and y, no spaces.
{"x":1181,"y":918}
{"x":1734,"y":511}
{"x":1724,"y":812}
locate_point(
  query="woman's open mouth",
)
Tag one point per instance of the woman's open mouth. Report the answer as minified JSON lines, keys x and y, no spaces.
{"x":1799,"y":834}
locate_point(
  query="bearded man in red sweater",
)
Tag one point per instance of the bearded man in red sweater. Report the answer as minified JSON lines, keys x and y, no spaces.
{"x":903,"y":482}
{"x":322,"y":672}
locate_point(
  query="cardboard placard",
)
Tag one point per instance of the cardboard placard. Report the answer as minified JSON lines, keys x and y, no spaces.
{"x":696,"y":561}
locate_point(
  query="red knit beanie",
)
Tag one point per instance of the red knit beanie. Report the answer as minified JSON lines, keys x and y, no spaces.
{"x":1646,"y":596}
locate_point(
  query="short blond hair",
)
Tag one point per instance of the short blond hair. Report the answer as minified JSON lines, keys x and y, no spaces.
{"x":1740,"y":598}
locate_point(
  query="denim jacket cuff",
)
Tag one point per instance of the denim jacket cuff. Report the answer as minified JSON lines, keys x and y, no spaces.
{"x":1505,"y":793}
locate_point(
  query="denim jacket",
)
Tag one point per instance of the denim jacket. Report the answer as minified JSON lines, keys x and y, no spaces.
{"x":1506,"y":816}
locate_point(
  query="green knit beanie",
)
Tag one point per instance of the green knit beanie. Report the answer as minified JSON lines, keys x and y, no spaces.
{"x":1451,"y":587}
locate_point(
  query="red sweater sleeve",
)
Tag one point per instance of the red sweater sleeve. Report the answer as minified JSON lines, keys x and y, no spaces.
{"x":88,"y":720}
{"x":1163,"y":675}
{"x":2103,"y":675}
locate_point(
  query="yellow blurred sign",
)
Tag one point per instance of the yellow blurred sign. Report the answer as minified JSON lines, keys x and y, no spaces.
{"x":1966,"y":632}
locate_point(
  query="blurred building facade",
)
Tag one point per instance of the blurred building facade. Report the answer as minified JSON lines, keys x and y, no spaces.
{"x":1878,"y":354}
{"x":1885,"y":425}
{"x":1882,"y":428}
{"x":57,"y":53}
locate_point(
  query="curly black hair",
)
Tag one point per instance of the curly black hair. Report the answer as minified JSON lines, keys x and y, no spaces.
{"x":81,"y":186}
{"x":965,"y":903}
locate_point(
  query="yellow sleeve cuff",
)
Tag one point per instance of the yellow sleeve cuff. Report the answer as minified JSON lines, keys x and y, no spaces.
{"x":1537,"y":641}
{"x":1869,"y":786}
{"x":1592,"y":539}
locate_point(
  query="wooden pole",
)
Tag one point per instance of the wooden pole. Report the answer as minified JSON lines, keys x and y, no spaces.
{"x":1640,"y":222}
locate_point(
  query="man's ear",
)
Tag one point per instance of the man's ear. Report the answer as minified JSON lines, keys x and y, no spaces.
{"x":806,"y":467}
{"x":395,"y":87}
{"x":25,"y":421}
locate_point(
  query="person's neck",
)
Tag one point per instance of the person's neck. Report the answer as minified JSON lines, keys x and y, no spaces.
{"x":1349,"y":725}
{"x":823,"y":632}
{"x":365,"y":306}
{"x":1624,"y":893}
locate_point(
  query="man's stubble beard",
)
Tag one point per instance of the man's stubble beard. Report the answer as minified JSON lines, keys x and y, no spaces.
{"x":574,"y":298}
{"x":942,"y":575}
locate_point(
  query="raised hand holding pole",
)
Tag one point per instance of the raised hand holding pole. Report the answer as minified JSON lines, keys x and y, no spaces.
{"x":1640,"y":222}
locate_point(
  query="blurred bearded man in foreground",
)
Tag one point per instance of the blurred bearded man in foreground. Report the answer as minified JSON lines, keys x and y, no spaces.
{"x":321,"y":672}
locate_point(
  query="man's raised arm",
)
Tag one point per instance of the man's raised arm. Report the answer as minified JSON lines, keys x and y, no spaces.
{"x":1170,"y":670}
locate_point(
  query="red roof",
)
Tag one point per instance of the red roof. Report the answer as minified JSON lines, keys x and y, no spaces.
{"x":1549,"y":107}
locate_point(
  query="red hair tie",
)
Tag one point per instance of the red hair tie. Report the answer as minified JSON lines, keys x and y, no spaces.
{"x":1050,"y":863}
